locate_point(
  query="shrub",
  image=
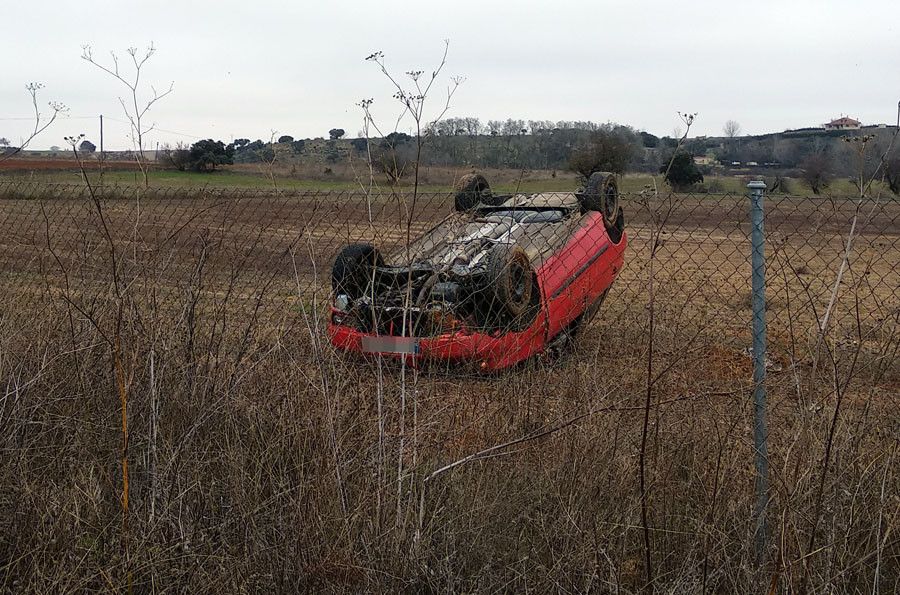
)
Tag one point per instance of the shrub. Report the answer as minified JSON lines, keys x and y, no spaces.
{"x":816,"y":170}
{"x":681,"y":171}
{"x":178,"y":158}
{"x":892,"y":173}
{"x":715,"y":185}
{"x":609,"y":149}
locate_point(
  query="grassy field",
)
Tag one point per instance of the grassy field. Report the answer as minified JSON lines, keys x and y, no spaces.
{"x":351,"y":177}
{"x":261,"y":459}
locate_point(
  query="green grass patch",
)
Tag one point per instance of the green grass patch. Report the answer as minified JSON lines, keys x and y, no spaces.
{"x":533,"y":182}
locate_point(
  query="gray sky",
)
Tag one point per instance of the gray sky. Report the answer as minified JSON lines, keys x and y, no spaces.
{"x":243,"y":69}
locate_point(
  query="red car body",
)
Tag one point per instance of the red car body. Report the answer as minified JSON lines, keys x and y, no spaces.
{"x":572,"y":279}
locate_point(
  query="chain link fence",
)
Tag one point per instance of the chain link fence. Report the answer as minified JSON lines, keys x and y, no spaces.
{"x":268,"y":250}
{"x":206,"y":310}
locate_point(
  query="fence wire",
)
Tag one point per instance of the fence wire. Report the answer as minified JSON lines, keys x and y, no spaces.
{"x":190,"y":330}
{"x":266,"y":251}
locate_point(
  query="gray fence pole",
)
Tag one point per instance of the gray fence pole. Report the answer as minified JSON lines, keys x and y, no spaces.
{"x":760,"y":432}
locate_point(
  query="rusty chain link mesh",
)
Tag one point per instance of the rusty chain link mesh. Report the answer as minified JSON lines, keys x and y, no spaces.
{"x":206,"y":310}
{"x":267,"y":253}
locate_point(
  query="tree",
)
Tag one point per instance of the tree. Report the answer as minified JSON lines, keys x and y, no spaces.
{"x":134,"y":107}
{"x":206,"y":155}
{"x":40,"y":122}
{"x":681,"y":171}
{"x":252,"y":152}
{"x":336,"y":133}
{"x":178,"y":158}
{"x":298,"y":145}
{"x":287,"y":138}
{"x":359,"y":144}
{"x":4,"y":142}
{"x":512,"y":127}
{"x":892,"y":173}
{"x":394,"y":162}
{"x":649,"y":140}
{"x":332,"y":154}
{"x":395,"y":139}
{"x":816,"y":170}
{"x":731,"y":129}
{"x":87,"y":146}
{"x":608,"y":149}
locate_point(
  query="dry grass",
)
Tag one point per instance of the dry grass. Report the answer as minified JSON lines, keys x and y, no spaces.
{"x":261,"y":460}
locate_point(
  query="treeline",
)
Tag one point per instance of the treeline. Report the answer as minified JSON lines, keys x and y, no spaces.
{"x":580,"y":146}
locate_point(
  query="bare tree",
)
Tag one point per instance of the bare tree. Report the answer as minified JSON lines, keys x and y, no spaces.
{"x":892,"y":173}
{"x":412,"y":95}
{"x":816,"y":172}
{"x":412,"y":101}
{"x":40,"y":122}
{"x":731,"y":129}
{"x":136,"y":105}
{"x":659,"y":219}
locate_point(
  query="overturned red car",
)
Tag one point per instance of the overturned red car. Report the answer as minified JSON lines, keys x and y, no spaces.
{"x":501,"y":279}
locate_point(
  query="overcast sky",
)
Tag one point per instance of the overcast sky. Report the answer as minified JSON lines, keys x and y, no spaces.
{"x":243,"y":69}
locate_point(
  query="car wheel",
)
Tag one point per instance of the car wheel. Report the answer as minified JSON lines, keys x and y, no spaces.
{"x":601,"y":193}
{"x":353,"y":271}
{"x":512,"y":286}
{"x":471,"y":190}
{"x":617,"y":228}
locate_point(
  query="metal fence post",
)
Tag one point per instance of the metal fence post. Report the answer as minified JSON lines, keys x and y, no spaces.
{"x":760,"y":431}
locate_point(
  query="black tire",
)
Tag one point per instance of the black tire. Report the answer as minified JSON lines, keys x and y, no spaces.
{"x":471,"y":190}
{"x":353,"y":271}
{"x":512,"y":287}
{"x":617,"y":228}
{"x":601,"y":193}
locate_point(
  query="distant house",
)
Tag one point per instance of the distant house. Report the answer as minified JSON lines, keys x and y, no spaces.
{"x":843,"y":123}
{"x":704,"y":159}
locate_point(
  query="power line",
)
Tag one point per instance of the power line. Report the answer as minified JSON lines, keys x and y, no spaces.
{"x":31,"y":118}
{"x":154,"y":129}
{"x":126,"y":122}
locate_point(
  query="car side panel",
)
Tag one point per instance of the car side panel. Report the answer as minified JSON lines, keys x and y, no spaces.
{"x":576,"y":276}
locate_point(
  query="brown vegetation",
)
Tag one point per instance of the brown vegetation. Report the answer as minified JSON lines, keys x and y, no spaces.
{"x":259,"y":459}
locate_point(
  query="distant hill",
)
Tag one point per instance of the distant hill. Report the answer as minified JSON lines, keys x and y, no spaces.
{"x":551,"y":148}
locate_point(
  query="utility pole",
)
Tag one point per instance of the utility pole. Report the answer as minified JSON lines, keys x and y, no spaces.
{"x":101,"y":150}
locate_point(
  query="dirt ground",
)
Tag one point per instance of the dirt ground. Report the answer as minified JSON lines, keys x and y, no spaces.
{"x":286,"y":243}
{"x":68,"y":163}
